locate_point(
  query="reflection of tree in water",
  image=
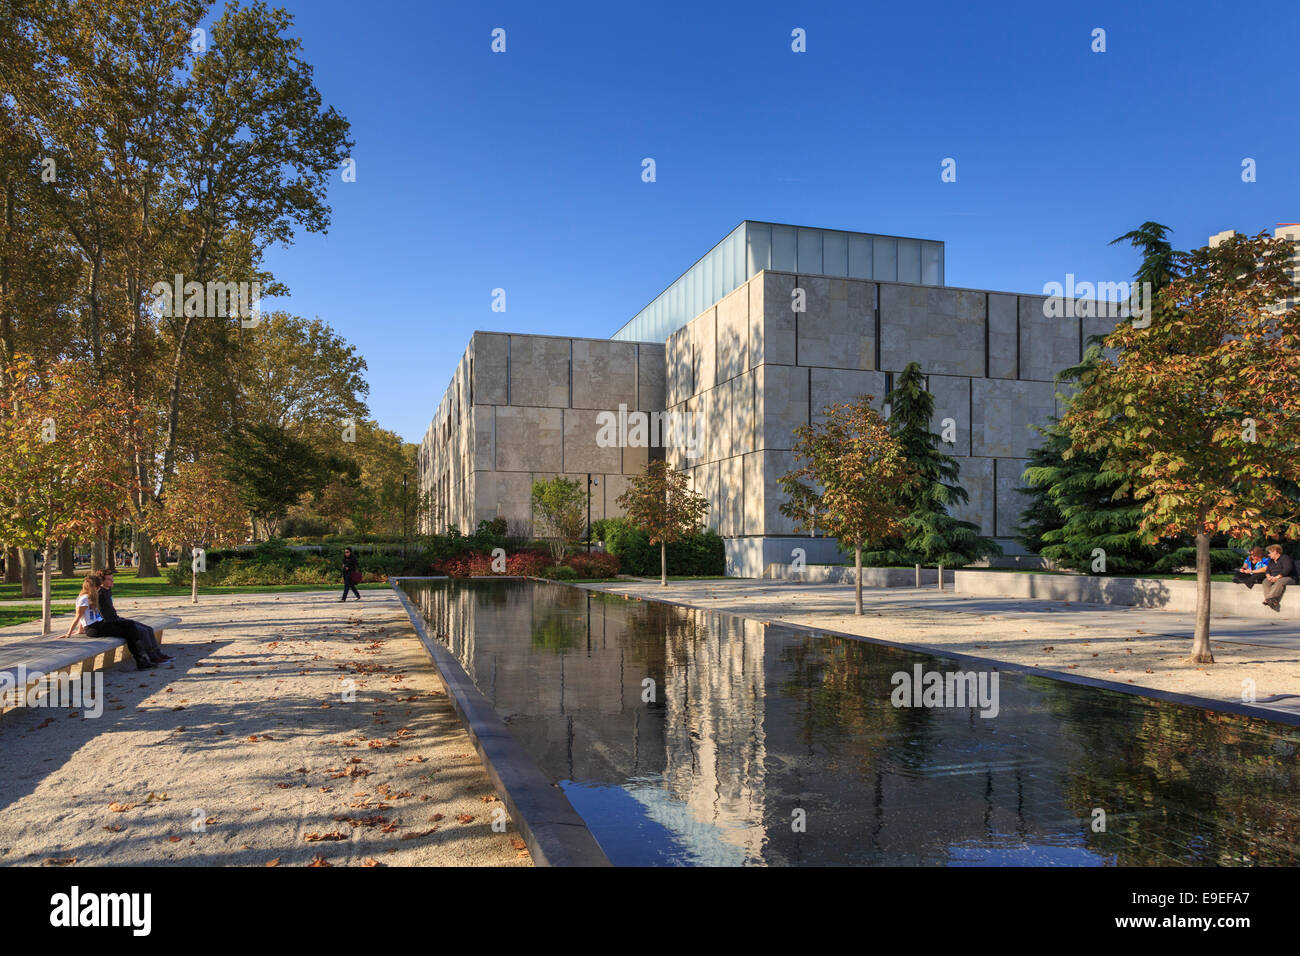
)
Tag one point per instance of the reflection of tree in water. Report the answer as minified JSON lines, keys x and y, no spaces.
{"x":846,"y":688}
{"x":652,"y":633}
{"x":1179,"y":784}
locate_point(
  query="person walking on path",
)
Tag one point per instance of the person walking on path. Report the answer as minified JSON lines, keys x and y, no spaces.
{"x":109,"y":613}
{"x":1281,"y":572}
{"x":90,"y":622}
{"x":351,"y":574}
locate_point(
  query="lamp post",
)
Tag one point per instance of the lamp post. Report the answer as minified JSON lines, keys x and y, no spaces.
{"x":591,"y":482}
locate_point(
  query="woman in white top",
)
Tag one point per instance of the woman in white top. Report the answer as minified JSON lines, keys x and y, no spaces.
{"x":91,"y":623}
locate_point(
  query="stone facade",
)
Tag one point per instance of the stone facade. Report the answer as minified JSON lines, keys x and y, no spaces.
{"x":753,"y":368}
{"x":747,"y":371}
{"x":524,"y":407}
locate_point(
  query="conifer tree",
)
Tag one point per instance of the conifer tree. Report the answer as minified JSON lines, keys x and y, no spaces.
{"x":931,"y":534}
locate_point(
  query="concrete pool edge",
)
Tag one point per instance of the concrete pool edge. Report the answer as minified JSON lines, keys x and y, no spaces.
{"x":1287,"y":717}
{"x":555,"y":833}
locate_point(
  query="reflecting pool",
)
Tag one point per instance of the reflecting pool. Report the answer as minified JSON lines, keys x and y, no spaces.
{"x":688,"y":737}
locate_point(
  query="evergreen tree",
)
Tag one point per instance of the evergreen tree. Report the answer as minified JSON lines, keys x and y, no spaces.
{"x":931,"y":535}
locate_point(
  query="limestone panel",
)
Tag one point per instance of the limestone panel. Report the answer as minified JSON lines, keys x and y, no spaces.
{"x":772,"y":331}
{"x":490,"y":368}
{"x":952,"y":401}
{"x":830,"y":334}
{"x":539,"y":371}
{"x":1002,"y":413}
{"x":614,"y":486}
{"x":502,"y":494}
{"x":1003,"y":337}
{"x":728,"y":504}
{"x":704,"y":354}
{"x":604,"y":374}
{"x":830,"y":385}
{"x":753,"y":506}
{"x":582,"y":451}
{"x":976,"y":476}
{"x":530,"y":439}
{"x":1011,"y":503}
{"x":651,"y":378}
{"x":733,"y":334}
{"x":783,"y":400}
{"x":742,"y":413}
{"x":775,"y":465}
{"x":717,"y":423}
{"x":484,"y":443}
{"x":680,"y":384}
{"x":635,"y":460}
{"x":1047,"y":343}
{"x":941,"y":329}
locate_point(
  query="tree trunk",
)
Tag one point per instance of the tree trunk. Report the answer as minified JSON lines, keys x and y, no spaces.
{"x":45,"y":588}
{"x":663,"y":564}
{"x":857,"y":580}
{"x":97,"y":549}
{"x":27,"y":562}
{"x":12,"y":573}
{"x":194,"y":586}
{"x":148,"y":565}
{"x":110,"y":556}
{"x":1201,"y":643}
{"x":67,"y":559}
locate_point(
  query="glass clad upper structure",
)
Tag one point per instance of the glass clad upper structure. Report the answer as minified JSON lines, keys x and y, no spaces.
{"x":754,"y":246}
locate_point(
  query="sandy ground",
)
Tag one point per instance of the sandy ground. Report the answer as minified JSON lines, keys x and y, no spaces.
{"x":1143,"y":648}
{"x":245,"y":751}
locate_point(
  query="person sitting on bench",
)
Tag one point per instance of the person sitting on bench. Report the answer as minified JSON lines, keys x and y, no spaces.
{"x":109,"y":613}
{"x":1253,"y":569}
{"x":89,"y":622}
{"x":1281,"y":572}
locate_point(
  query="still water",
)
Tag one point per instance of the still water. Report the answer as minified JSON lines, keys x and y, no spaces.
{"x":688,"y":737}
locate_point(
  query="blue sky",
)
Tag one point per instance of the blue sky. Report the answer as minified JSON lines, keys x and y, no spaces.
{"x":522,"y":170}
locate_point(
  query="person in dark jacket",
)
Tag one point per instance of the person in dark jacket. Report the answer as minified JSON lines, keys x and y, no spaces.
{"x":349,"y":567}
{"x":89,"y":622}
{"x":1281,"y":572}
{"x":148,"y":639}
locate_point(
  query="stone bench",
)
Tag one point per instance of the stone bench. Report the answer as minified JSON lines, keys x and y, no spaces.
{"x":26,"y":661}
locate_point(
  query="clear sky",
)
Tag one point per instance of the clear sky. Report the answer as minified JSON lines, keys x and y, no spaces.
{"x":522,"y":170}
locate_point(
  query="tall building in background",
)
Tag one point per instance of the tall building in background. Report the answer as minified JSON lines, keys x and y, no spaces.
{"x":1284,"y":230}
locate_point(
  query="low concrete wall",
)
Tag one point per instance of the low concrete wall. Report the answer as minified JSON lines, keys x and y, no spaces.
{"x":1226,"y":599}
{"x":871,"y":577}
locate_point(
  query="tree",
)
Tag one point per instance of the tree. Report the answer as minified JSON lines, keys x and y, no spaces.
{"x":201,"y":509}
{"x":1197,"y":410}
{"x":661,"y":503}
{"x":64,"y":459}
{"x":930,"y":534}
{"x":271,"y":470}
{"x":853,"y":481}
{"x":559,"y":506}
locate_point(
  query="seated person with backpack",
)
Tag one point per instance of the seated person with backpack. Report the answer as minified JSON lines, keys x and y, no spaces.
{"x":1253,"y":569}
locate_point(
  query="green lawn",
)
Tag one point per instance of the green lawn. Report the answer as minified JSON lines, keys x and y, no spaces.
{"x":127,"y":585}
{"x":21,"y":615}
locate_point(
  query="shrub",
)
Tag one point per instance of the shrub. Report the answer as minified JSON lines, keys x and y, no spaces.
{"x":595,"y":565}
{"x":700,"y":554}
{"x":561,"y":572}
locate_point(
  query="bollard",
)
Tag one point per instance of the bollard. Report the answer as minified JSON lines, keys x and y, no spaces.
{"x":941,"y":577}
{"x":918,"y":577}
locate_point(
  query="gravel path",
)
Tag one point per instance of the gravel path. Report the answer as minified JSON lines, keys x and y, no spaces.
{"x":290,"y":730}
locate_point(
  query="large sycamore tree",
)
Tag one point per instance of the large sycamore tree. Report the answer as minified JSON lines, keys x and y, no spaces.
{"x":1198,"y":411}
{"x":661,"y":502}
{"x":65,"y":459}
{"x":852,"y":481}
{"x":201,"y":509}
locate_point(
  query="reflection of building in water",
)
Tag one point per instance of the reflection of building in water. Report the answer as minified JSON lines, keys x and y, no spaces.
{"x":752,"y":723}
